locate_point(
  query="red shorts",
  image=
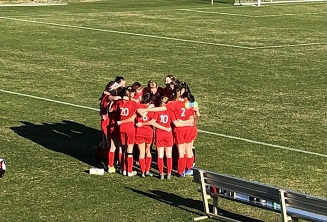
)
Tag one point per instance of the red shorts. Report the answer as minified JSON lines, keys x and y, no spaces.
{"x":104,"y":125}
{"x":164,"y":142}
{"x":164,"y":139}
{"x":193,"y":132}
{"x":143,"y":139}
{"x":127,"y":138}
{"x":183,"y":136}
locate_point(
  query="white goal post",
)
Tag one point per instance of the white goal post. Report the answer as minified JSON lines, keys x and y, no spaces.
{"x":262,"y":2}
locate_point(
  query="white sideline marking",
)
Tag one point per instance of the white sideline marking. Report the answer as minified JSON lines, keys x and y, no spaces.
{"x":163,"y":37}
{"x":49,"y":100}
{"x":128,"y":33}
{"x":262,"y":143}
{"x":201,"y":131}
{"x":291,"y":45}
{"x":251,"y":16}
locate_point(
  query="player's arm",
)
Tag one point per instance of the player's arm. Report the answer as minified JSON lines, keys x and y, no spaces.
{"x":142,"y":111}
{"x":130,"y":119}
{"x":114,"y":98}
{"x":158,"y":126}
{"x":111,"y":107}
{"x":189,"y":121}
{"x":182,"y":124}
{"x":135,"y":100}
{"x":196,"y":111}
{"x":148,"y":123}
{"x":110,"y":97}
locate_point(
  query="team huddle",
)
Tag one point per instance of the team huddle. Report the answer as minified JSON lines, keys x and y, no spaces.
{"x":137,"y":116}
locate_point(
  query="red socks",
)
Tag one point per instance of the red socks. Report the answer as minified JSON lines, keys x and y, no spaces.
{"x":130,"y":163}
{"x":111,"y":158}
{"x":142,"y":164}
{"x":160,"y":165}
{"x":181,"y":165}
{"x":189,"y":163}
{"x":148,"y":161}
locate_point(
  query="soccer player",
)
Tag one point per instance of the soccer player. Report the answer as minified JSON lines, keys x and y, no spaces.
{"x":182,"y":132}
{"x":144,"y":136}
{"x":127,"y":115}
{"x":138,"y":92}
{"x":170,"y":81}
{"x":189,"y":148}
{"x":104,"y":114}
{"x":114,"y":116}
{"x":156,"y":92}
{"x":164,"y":138}
{"x":121,"y":81}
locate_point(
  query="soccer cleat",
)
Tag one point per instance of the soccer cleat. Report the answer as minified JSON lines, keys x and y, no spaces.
{"x":149,"y":174}
{"x":143,"y":175}
{"x":181,"y":175}
{"x":162,"y":176}
{"x":168,"y":176}
{"x":111,"y":170}
{"x":133,"y":173}
{"x":189,"y":173}
{"x":124,"y":173}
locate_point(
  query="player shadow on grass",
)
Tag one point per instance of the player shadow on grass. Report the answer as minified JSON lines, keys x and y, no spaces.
{"x":187,"y":204}
{"x":67,"y":137}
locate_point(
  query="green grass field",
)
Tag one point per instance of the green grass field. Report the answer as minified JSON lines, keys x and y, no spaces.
{"x":258,"y":73}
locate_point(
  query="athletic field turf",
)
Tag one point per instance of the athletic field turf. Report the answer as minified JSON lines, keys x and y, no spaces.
{"x":258,"y":74}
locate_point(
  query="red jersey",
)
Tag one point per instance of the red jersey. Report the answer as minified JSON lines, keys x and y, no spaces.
{"x":144,"y":131}
{"x":164,"y":118}
{"x":104,"y":105}
{"x":138,"y":96}
{"x":114,"y":116}
{"x":170,"y":105}
{"x":127,"y":108}
{"x":180,"y":112}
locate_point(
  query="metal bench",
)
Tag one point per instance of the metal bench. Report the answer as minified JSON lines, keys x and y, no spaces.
{"x":291,"y":205}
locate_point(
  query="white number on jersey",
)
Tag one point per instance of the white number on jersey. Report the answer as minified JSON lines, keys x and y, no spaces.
{"x":164,"y":118}
{"x":183,"y":111}
{"x":124,"y":111}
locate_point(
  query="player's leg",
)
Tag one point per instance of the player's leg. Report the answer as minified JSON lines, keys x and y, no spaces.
{"x":181,"y":159}
{"x":130,"y":138}
{"x":189,"y":160}
{"x":111,"y":157}
{"x":168,"y":152}
{"x":160,"y":161}
{"x":141,"y":147}
{"x":148,"y":158}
